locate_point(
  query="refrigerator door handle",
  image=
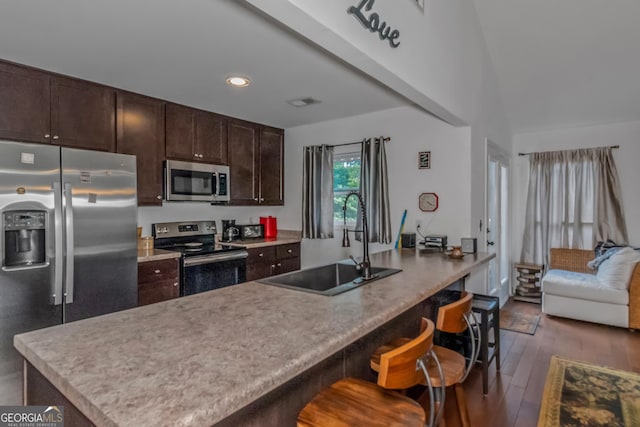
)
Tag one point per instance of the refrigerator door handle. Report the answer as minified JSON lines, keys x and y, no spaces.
{"x":57,"y":290}
{"x":69,"y":250}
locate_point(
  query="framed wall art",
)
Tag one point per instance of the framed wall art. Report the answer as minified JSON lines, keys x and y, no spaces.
{"x":424,"y":160}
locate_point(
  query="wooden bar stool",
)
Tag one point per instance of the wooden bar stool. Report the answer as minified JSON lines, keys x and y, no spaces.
{"x":454,"y":318}
{"x":354,"y":402}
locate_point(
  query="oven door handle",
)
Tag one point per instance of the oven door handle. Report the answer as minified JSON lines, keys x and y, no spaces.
{"x":210,"y":259}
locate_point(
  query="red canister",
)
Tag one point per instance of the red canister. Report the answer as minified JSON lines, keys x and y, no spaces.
{"x":270,"y":226}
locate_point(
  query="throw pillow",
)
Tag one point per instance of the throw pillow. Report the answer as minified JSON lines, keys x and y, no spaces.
{"x":616,"y":271}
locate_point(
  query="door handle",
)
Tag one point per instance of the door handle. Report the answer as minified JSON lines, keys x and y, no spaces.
{"x":67,"y":205}
{"x":58,"y":231}
{"x":491,"y":243}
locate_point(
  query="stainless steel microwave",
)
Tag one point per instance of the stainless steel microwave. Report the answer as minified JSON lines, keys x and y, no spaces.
{"x":196,"y":182}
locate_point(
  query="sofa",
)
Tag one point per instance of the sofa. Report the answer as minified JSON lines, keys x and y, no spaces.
{"x":573,"y":290}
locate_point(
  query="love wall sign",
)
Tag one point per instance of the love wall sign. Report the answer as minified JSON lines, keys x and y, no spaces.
{"x":374,"y":23}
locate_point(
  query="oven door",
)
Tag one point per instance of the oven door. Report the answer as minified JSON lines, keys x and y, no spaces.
{"x":215,"y":271}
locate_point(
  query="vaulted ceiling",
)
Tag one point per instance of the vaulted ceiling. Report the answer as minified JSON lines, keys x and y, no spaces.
{"x":563,"y":63}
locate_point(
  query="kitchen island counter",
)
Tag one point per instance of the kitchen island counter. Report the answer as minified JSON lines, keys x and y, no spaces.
{"x":196,"y":360}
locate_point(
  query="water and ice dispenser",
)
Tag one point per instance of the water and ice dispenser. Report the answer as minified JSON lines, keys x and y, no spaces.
{"x":24,"y":238}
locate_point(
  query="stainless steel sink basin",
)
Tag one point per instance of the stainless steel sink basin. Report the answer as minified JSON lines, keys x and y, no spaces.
{"x":327,"y":280}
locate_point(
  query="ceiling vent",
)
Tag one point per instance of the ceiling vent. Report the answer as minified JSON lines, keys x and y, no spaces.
{"x":303,"y":102}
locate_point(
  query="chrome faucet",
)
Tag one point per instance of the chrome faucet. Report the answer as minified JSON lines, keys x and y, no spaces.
{"x":365,"y":265}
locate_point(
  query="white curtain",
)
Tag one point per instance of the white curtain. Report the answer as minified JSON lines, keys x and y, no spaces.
{"x":317,"y":192}
{"x":374,"y":187}
{"x":573,"y":201}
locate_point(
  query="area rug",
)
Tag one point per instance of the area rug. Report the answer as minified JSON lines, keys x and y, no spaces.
{"x":525,"y":323}
{"x":580,"y":394}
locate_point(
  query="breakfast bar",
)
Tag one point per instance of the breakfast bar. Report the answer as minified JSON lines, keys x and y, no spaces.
{"x":250,"y":354}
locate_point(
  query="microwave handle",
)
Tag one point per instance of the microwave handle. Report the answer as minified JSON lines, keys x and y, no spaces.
{"x":214,"y":183}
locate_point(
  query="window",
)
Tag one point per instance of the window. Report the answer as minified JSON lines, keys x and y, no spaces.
{"x":346,"y":178}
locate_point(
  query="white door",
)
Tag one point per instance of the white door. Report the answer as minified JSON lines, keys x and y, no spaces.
{"x":498,"y":283}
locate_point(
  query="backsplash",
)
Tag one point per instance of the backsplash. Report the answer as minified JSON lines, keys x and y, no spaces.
{"x":185,"y":211}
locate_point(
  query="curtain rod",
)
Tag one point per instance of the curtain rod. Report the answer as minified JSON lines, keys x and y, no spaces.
{"x":537,"y":152}
{"x":385,"y":139}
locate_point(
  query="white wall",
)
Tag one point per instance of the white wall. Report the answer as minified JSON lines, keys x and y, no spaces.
{"x":411,"y":131}
{"x":627,"y":135}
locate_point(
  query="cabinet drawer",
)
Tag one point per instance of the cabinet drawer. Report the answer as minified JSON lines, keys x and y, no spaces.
{"x":155,"y":271}
{"x":266,"y":254}
{"x":291,"y":250}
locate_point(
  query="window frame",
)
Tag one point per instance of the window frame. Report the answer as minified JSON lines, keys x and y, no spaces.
{"x":345,"y":154}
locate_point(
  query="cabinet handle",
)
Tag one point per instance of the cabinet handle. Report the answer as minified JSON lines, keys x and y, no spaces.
{"x":46,"y":135}
{"x":159,"y":197}
{"x":279,"y":265}
{"x":255,"y":200}
{"x":56,"y":137}
{"x":157,"y":271}
{"x":195,"y":155}
{"x":262,"y":199}
{"x":175,"y":284}
{"x":289,"y":251}
{"x":260,"y":254}
{"x":273,"y":266}
{"x":201,"y":155}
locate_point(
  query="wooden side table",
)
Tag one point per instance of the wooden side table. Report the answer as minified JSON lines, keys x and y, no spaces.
{"x":528,"y":288}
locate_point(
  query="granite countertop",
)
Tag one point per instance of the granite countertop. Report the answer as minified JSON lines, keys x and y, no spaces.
{"x":284,"y":237}
{"x":146,"y":255}
{"x":195,"y":360}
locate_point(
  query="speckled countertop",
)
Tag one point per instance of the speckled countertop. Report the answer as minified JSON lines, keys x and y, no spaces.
{"x":146,"y":255}
{"x":195,"y":360}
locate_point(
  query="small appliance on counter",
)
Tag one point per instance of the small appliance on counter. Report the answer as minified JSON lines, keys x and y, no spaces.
{"x":469,"y":245}
{"x":251,"y":231}
{"x":435,"y":241}
{"x":408,"y":240}
{"x":270,"y":224}
{"x":229,"y":230}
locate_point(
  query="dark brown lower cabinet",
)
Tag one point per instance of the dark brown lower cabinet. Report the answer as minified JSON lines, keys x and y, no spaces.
{"x":158,"y":281}
{"x":272,"y":260}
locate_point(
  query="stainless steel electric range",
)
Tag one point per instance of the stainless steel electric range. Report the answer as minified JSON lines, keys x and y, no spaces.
{"x":205,"y":265}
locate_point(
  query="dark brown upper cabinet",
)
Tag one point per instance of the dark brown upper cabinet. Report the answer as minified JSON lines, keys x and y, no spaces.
{"x":271,"y":166}
{"x":140,"y":131}
{"x":256,"y":160}
{"x":24,"y":104}
{"x":83,"y":114}
{"x":36,"y":106}
{"x":196,"y":135}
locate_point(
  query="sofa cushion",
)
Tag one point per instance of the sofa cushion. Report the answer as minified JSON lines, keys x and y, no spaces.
{"x":616,"y":271}
{"x":581,"y":286}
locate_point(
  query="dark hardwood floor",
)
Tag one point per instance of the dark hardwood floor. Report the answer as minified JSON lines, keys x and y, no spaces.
{"x":515,"y":392}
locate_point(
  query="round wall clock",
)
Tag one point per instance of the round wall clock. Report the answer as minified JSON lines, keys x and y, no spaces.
{"x":428,"y":202}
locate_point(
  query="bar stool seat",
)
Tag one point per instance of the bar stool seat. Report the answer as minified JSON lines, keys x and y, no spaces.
{"x":354,"y":402}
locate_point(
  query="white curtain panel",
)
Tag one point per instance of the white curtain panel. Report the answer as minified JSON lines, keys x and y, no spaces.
{"x":574,"y":200}
{"x":317,"y":192}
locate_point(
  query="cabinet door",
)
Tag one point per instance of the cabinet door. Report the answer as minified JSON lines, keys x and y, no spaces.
{"x":211,"y":137}
{"x":243,"y":162}
{"x":260,"y":262}
{"x":140,"y":131}
{"x":271,"y":166}
{"x":180,"y":132}
{"x":82,"y":114}
{"x":24,"y":104}
{"x":158,"y":281}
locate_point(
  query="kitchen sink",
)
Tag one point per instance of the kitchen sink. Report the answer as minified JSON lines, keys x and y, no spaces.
{"x":327,"y":280}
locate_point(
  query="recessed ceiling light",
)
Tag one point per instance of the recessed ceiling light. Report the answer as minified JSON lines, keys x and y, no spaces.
{"x":238,"y":81}
{"x":303,"y":102}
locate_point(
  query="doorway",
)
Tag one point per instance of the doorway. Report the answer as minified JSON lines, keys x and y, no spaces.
{"x":498,"y":221}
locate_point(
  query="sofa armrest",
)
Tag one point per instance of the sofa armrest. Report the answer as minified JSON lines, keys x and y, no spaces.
{"x":571,"y":259}
{"x":634,"y":298}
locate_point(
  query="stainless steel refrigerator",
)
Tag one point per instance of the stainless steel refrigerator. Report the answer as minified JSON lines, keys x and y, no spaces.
{"x":67,"y":245}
